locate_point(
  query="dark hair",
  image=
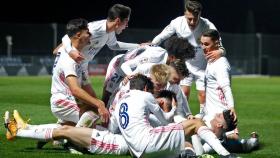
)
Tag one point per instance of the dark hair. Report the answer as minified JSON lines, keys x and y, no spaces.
{"x":180,"y":67}
{"x":167,"y":94}
{"x":193,"y":6}
{"x":76,"y":25}
{"x":213,"y":34}
{"x":118,"y":11}
{"x":229,"y":119}
{"x":179,"y":47}
{"x":139,"y":82}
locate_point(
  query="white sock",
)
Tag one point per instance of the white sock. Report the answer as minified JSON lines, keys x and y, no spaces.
{"x":87,"y":119}
{"x":206,"y":134}
{"x":196,"y":142}
{"x":207,"y":148}
{"x":54,"y":125}
{"x":44,"y":134}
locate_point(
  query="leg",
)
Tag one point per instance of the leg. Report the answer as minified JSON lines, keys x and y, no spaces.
{"x":77,"y":135}
{"x":194,"y":126}
{"x":186,"y":84}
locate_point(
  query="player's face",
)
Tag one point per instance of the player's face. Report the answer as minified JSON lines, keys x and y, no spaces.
{"x":208,"y":44}
{"x":121,"y":25}
{"x":175,"y":78}
{"x":164,"y":103}
{"x":192,"y":19}
{"x":85,"y":37}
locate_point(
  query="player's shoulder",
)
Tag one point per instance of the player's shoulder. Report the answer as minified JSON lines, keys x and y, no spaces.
{"x":97,"y":25}
{"x":179,"y":19}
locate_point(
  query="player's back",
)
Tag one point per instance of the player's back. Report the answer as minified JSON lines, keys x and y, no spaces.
{"x":132,"y":113}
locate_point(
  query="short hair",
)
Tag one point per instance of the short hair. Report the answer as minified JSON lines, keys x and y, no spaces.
{"x":118,"y":11}
{"x":193,"y":6}
{"x":161,"y":72}
{"x":229,"y":119}
{"x":179,"y":47}
{"x":180,"y":67}
{"x":212,"y":33}
{"x":167,"y":94}
{"x":76,"y":25}
{"x":140,"y":81}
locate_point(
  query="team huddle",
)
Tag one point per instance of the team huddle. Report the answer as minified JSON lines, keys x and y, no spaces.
{"x":144,"y":109}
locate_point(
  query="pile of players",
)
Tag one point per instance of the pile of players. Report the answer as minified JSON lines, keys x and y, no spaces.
{"x":144,"y":108}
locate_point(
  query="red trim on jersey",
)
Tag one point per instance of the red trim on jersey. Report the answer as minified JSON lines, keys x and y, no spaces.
{"x":168,"y":128}
{"x":68,"y":104}
{"x":104,"y":145}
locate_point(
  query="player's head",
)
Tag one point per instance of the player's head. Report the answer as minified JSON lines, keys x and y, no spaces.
{"x":164,"y":99}
{"x":179,"y":48}
{"x":210,"y":40}
{"x":78,"y":29}
{"x":193,"y":10}
{"x":225,"y":121}
{"x":141,"y":82}
{"x":160,"y":74}
{"x":119,"y":14}
{"x":178,"y":71}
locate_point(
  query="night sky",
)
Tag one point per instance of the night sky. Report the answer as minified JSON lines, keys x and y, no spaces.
{"x":235,"y":16}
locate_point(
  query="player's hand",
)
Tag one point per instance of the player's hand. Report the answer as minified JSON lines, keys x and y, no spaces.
{"x":76,"y":55}
{"x":126,"y":79}
{"x":214,"y":55}
{"x":104,"y":113}
{"x":232,"y":112}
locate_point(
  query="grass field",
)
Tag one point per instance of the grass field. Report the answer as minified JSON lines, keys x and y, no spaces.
{"x":257,"y":103}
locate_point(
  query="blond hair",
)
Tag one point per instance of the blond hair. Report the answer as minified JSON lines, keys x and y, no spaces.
{"x":161,"y":72}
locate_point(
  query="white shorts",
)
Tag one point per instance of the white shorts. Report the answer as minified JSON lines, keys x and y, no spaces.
{"x":168,"y":139}
{"x":65,"y":108}
{"x":114,"y":74}
{"x":199,"y":81}
{"x":104,"y":142}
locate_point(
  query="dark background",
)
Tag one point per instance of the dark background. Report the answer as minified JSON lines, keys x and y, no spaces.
{"x":234,"y":16}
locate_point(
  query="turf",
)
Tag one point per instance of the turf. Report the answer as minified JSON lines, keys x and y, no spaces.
{"x":256,"y":99}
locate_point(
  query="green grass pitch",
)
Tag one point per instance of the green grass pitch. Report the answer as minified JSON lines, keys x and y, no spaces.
{"x":257,"y":101}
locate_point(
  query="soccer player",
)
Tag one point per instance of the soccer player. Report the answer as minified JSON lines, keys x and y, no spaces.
{"x":133,"y":109}
{"x":103,"y":33}
{"x":97,"y":141}
{"x":190,"y":27}
{"x":141,"y":60}
{"x":68,"y":80}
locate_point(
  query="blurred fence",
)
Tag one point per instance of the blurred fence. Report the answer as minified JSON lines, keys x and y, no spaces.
{"x":30,"y":51}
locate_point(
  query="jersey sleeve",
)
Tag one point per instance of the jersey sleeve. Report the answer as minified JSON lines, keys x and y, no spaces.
{"x":67,"y":43}
{"x":167,"y":32}
{"x":223,"y":80}
{"x":69,"y":67}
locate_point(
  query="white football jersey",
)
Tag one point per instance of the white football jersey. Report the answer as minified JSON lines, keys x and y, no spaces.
{"x":132,"y":112}
{"x":143,"y":62}
{"x":181,"y":28}
{"x":64,"y":66}
{"x":217,"y":78}
{"x":98,"y":39}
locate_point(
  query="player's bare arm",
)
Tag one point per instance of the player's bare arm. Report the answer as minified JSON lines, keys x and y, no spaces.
{"x":85,"y":97}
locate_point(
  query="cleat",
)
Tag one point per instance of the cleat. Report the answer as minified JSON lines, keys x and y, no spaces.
{"x":11,"y":130}
{"x":254,"y":135}
{"x":20,"y":122}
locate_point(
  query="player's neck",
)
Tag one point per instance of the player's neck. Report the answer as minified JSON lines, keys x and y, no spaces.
{"x":110,"y":26}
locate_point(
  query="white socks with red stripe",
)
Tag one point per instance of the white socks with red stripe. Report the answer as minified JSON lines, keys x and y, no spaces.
{"x":206,"y":134}
{"x":87,"y":119}
{"x":39,"y":132}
